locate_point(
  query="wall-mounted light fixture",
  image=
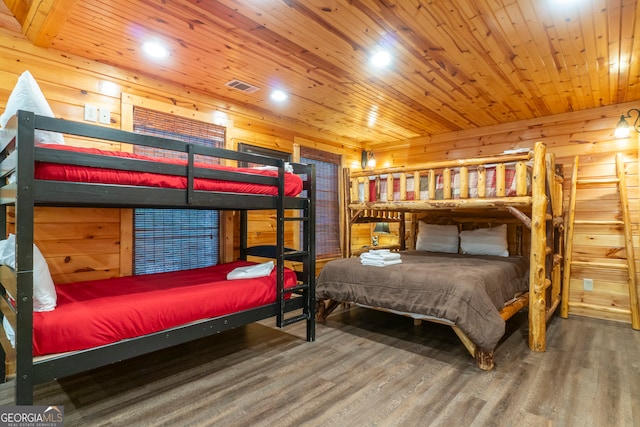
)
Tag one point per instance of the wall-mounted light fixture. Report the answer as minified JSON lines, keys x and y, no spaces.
{"x":622,"y":128}
{"x":368,"y":159}
{"x":382,"y":228}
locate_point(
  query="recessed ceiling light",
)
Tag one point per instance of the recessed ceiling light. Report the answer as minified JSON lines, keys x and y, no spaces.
{"x":381,"y":58}
{"x":155,"y":50}
{"x":279,"y":95}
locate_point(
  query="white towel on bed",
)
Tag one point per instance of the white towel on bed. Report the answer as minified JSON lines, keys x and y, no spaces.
{"x":380,"y":255}
{"x":380,"y":263}
{"x":380,"y":258}
{"x":251,"y":271}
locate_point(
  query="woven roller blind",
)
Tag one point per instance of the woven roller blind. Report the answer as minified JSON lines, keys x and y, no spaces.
{"x":327,"y":201}
{"x":175,"y":239}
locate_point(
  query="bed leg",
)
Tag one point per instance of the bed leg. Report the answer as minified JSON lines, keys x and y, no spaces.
{"x":322,"y":311}
{"x":484,"y":359}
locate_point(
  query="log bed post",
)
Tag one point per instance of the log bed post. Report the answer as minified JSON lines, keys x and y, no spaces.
{"x":537,"y":275}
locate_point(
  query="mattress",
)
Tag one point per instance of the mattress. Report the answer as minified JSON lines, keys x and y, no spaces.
{"x":468,"y":291}
{"x":76,"y":173}
{"x":94,"y":313}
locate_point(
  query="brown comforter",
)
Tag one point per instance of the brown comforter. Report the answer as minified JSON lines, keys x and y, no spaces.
{"x":466,"y":290}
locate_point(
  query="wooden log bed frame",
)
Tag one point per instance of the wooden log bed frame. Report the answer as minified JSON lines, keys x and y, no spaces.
{"x":535,"y":206}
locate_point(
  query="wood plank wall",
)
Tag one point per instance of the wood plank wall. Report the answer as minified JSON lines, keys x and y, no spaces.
{"x":70,"y":82}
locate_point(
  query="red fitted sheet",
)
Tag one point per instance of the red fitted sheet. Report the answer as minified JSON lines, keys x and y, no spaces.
{"x":94,"y":313}
{"x":74,"y":173}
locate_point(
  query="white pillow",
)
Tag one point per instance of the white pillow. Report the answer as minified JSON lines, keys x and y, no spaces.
{"x":26,"y":95}
{"x":437,"y":238}
{"x":485,"y":241}
{"x":44,"y":291}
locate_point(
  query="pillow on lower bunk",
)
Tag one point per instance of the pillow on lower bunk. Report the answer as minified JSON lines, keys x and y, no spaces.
{"x":44,"y":291}
{"x":437,"y":238}
{"x":485,"y":241}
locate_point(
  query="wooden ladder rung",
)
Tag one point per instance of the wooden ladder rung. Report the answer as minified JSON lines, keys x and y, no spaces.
{"x":594,"y":222}
{"x":600,"y":264}
{"x":597,"y":181}
{"x":606,"y":308}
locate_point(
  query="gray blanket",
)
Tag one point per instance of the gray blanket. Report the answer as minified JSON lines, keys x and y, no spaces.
{"x":466,"y":290}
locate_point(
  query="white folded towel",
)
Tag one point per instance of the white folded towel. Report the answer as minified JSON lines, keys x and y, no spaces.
{"x":251,"y":271}
{"x":377,"y":256}
{"x":379,"y":251}
{"x":380,"y":263}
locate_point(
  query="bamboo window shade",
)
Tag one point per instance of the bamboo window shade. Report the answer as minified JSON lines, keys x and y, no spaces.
{"x":175,"y":239}
{"x":327,"y":213}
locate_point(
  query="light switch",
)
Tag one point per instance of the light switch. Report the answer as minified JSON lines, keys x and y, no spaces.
{"x":90,"y":113}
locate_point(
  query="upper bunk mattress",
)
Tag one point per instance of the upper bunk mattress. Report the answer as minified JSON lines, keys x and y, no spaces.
{"x":96,"y":175}
{"x":94,"y":313}
{"x":468,"y":290}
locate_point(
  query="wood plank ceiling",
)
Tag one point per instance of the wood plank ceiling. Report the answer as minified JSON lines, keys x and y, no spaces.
{"x":456,"y":65}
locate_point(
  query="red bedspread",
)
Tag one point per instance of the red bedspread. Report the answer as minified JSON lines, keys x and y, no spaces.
{"x":74,"y":173}
{"x":94,"y":313}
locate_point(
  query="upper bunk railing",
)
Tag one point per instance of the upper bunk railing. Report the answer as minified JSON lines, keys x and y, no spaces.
{"x":25,"y":125}
{"x":430,"y":185}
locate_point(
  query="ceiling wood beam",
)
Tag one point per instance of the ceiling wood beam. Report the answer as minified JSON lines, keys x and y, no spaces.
{"x":44,"y":19}
{"x":19,"y":8}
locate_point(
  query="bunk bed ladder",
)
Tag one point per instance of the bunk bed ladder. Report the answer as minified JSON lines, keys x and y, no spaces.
{"x":305,"y":286}
{"x":301,"y":210}
{"x":620,"y":182}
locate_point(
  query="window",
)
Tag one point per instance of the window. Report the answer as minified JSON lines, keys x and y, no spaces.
{"x":246,"y":148}
{"x":327,"y":200}
{"x":175,"y":239}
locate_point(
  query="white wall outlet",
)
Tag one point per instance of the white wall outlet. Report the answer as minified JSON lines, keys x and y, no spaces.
{"x":587,"y":284}
{"x":90,"y":113}
{"x":104,"y":116}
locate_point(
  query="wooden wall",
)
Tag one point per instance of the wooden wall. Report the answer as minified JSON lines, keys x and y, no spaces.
{"x":96,"y":246}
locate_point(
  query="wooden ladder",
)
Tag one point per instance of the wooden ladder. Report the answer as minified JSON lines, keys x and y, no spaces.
{"x":620,"y":182}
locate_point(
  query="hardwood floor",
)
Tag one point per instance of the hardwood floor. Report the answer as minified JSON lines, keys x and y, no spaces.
{"x":367,"y":368}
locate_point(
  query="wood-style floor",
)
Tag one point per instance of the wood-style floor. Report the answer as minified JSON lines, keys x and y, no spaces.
{"x":367,"y":368}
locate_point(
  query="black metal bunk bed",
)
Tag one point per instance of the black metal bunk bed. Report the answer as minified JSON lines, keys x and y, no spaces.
{"x":19,"y":154}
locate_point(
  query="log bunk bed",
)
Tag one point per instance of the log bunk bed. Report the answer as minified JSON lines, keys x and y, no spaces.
{"x":284,"y":294}
{"x":443,"y":193}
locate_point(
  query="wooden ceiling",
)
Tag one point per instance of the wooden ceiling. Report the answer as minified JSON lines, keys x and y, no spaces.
{"x":456,"y":65}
